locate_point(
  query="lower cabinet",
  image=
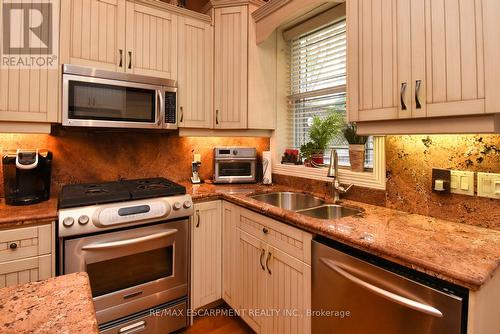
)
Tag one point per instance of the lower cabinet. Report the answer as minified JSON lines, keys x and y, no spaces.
{"x":206,"y":254}
{"x":270,"y":287}
{"x":26,"y":254}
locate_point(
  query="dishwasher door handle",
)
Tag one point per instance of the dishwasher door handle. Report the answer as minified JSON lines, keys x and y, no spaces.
{"x":410,"y":303}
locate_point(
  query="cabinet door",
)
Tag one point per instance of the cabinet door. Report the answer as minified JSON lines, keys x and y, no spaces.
{"x":231,"y":64}
{"x":252,"y":279}
{"x":230,"y":262}
{"x":26,"y":270}
{"x":206,"y":254}
{"x":374,"y":74}
{"x":151,"y":41}
{"x":454,"y":45}
{"x":195,"y":73}
{"x":93,"y":33}
{"x":289,"y":291}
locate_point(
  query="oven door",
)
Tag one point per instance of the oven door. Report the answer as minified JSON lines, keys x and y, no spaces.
{"x":97,"y":102}
{"x":235,"y":171}
{"x":132,"y":270}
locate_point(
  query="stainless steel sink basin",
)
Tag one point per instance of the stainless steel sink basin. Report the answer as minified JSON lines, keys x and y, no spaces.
{"x":330,"y":211}
{"x":289,"y":201}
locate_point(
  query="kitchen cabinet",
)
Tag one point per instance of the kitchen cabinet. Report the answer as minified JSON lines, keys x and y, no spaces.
{"x":271,"y":272}
{"x":206,"y":250}
{"x":119,"y":35}
{"x":195,"y":60}
{"x":244,"y":72}
{"x":421,"y":59}
{"x":151,"y":41}
{"x":26,"y":254}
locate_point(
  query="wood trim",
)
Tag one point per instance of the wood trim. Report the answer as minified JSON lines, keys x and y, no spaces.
{"x":232,"y":3}
{"x":185,"y":132}
{"x":448,"y":125}
{"x":456,"y":108}
{"x":374,"y":179}
{"x":24,"y":127}
{"x":174,"y":9}
{"x":327,"y":17}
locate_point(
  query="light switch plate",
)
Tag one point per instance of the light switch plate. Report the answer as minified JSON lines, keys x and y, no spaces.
{"x":488,"y":185}
{"x":462,"y":182}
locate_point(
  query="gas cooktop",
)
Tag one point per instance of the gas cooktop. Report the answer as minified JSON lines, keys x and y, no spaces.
{"x":76,"y":195}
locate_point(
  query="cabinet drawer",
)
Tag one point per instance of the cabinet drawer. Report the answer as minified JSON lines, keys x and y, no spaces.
{"x":290,"y":240}
{"x":20,"y":243}
{"x":25,"y":270}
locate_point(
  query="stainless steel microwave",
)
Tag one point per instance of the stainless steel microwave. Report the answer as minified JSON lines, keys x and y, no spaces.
{"x":98,"y":98}
{"x":235,"y":165}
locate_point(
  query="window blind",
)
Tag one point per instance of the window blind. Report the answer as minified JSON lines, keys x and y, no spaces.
{"x":318,"y":84}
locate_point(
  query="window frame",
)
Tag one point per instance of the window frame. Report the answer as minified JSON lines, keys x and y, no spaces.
{"x":374,"y":178}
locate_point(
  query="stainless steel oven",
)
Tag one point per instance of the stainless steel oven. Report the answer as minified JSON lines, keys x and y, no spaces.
{"x":134,"y":269}
{"x":235,"y":164}
{"x":98,"y":98}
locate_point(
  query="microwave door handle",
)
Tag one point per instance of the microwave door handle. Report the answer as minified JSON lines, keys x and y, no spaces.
{"x":128,"y":242}
{"x":159,"y":107}
{"x":410,"y":303}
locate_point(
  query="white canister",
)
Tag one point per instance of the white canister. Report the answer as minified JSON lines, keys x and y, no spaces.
{"x":267,"y":168}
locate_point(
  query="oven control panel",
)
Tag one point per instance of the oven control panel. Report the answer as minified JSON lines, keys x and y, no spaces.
{"x":96,"y":218}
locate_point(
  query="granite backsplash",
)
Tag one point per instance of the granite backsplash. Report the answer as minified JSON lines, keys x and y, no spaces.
{"x":409,"y":163}
{"x":86,"y":155}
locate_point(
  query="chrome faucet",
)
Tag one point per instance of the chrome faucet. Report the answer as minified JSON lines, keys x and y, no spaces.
{"x":333,"y":172}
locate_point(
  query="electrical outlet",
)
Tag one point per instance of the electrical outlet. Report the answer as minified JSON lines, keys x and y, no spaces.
{"x":462,"y":182}
{"x":488,"y":185}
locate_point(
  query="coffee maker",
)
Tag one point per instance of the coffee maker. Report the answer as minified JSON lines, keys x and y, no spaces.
{"x":26,"y":176}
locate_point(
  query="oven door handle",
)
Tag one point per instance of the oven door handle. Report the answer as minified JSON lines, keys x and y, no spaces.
{"x":128,"y":242}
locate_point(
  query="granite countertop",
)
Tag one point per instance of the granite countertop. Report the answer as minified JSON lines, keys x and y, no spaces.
{"x":27,"y":214}
{"x":458,"y":253}
{"x":60,"y":304}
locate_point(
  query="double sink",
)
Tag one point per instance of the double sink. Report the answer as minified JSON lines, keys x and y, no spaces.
{"x":307,"y":205}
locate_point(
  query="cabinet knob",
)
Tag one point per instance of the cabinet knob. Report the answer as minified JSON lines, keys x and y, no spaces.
{"x":265,"y":230}
{"x":13,"y":245}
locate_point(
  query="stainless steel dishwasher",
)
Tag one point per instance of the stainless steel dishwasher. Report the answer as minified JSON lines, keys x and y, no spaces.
{"x":354,"y":292}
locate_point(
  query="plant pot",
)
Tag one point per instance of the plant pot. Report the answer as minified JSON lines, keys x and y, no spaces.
{"x":357,"y":157}
{"x":318,"y":158}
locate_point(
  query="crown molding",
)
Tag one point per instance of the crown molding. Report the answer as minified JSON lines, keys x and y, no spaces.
{"x":231,"y":3}
{"x":174,"y":9}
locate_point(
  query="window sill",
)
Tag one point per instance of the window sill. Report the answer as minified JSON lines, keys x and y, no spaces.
{"x":370,"y":179}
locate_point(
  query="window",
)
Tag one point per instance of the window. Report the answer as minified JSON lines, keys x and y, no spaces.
{"x":318,"y":85}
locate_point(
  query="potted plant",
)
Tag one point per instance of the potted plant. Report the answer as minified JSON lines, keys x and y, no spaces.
{"x":321,"y":133}
{"x":356,"y":147}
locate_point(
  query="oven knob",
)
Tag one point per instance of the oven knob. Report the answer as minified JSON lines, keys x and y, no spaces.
{"x":187,"y":204}
{"x":235,"y":152}
{"x":177,"y":205}
{"x":83,"y":220}
{"x":68,"y":221}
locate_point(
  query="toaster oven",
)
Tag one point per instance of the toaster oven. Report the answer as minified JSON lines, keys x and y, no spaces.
{"x":235,"y":164}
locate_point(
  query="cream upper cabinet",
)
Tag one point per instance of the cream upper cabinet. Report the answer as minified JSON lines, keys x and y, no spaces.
{"x":195,"y":78}
{"x":93,"y":33}
{"x":120,"y":35}
{"x":206,"y":250}
{"x":422,"y":59}
{"x":151,"y":41}
{"x":231,"y":71}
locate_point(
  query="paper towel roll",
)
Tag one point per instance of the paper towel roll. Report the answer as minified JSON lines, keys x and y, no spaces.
{"x":266,"y":167}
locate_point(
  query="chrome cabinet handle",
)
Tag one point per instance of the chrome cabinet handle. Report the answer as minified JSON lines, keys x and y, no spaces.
{"x":267,"y":262}
{"x":418,"y":84}
{"x":13,"y":245}
{"x":217,"y":117}
{"x":120,"y":64}
{"x":128,"y":242}
{"x":182,"y":114}
{"x":403,"y":90}
{"x":261,"y":258}
{"x":198,"y":218}
{"x":414,"y":305}
{"x":130,"y":60}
